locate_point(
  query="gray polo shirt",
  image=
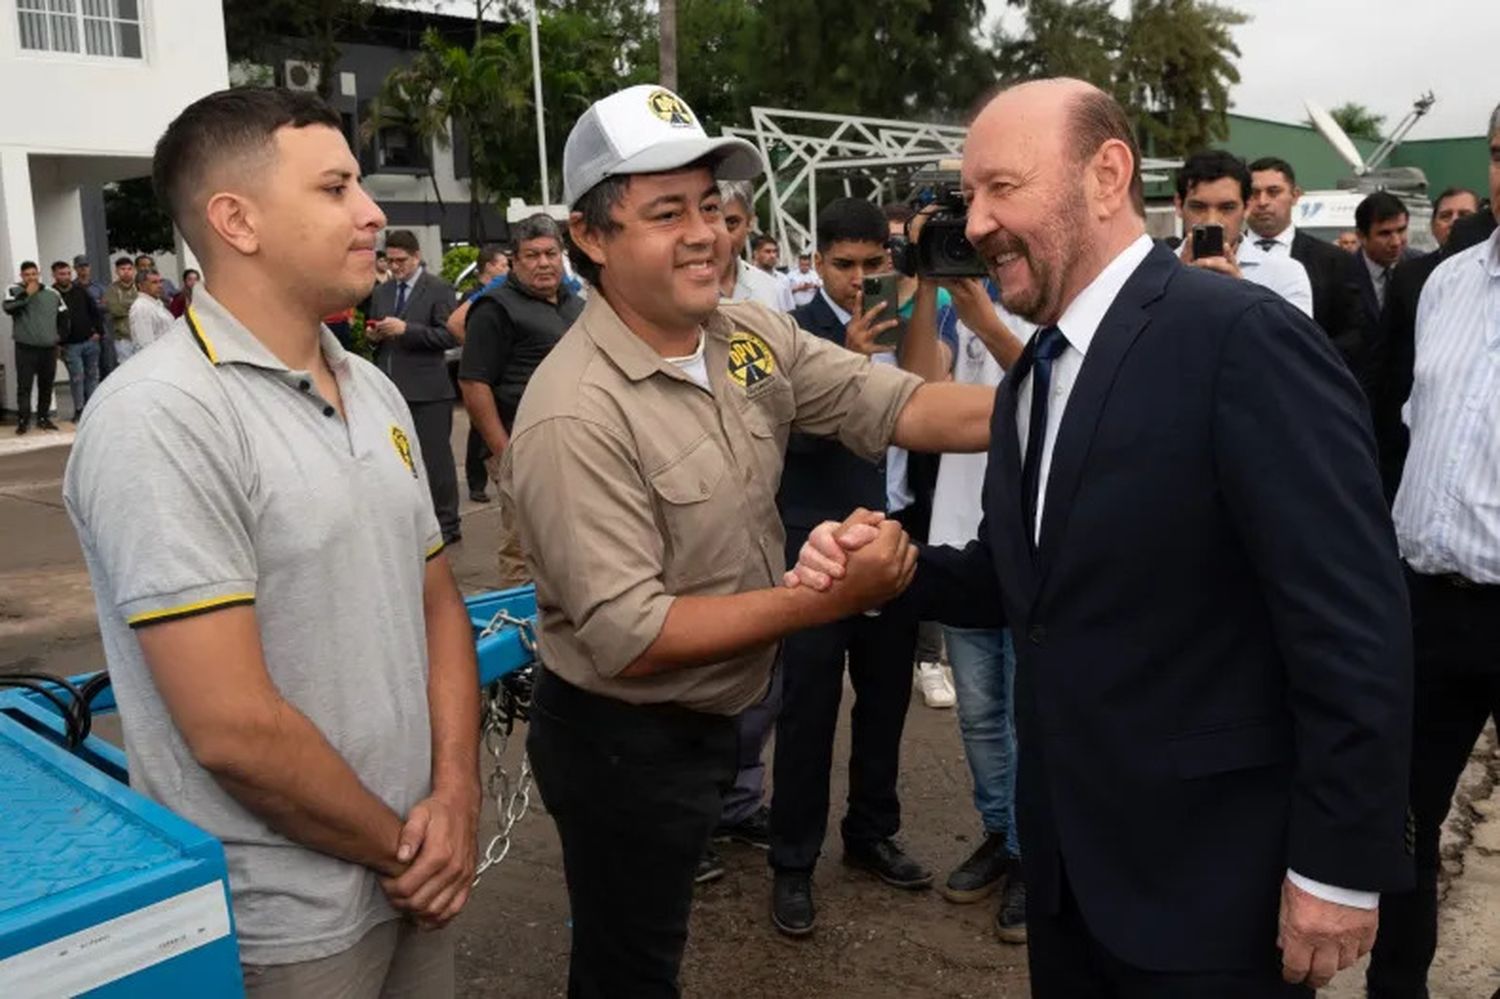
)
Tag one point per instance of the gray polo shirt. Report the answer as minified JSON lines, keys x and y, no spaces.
{"x":214,"y":476}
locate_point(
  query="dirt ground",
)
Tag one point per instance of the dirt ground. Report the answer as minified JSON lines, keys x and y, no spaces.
{"x":872,"y":942}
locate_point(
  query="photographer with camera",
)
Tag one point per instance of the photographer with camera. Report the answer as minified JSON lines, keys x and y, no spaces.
{"x":1213,"y":188}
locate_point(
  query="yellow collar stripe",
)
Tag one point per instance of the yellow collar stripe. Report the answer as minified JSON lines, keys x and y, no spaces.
{"x":203,"y":341}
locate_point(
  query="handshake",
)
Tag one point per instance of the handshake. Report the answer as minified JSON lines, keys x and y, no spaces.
{"x":860,"y":564}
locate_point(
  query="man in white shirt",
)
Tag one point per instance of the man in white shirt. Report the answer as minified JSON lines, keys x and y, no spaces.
{"x":1213,"y":188}
{"x":804,"y":281}
{"x":150,"y":319}
{"x":739,"y":281}
{"x":1448,"y":527}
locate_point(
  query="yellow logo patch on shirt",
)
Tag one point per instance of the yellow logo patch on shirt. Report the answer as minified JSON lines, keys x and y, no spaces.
{"x":402,"y":444}
{"x":669,"y":107}
{"x":750,"y":360}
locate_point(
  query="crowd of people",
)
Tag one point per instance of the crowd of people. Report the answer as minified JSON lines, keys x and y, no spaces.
{"x":1214,"y":692}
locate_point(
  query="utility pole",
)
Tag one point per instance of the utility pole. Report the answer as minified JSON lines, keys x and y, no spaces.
{"x":541,"y":125}
{"x":668,"y":44}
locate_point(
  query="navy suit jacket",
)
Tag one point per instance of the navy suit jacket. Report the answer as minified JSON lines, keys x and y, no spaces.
{"x":1214,"y":646}
{"x":414,"y":360}
{"x":821,"y":479}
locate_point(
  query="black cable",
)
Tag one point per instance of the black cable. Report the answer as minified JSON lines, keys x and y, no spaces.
{"x":65,"y":710}
{"x":78,"y":719}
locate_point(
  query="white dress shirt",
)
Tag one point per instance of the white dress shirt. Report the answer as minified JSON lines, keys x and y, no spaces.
{"x":796,"y":277}
{"x":1281,"y":242}
{"x":1447,"y":510}
{"x":150,"y":319}
{"x":754,"y":285}
{"x":1079,"y":322}
{"x":1283,"y":275}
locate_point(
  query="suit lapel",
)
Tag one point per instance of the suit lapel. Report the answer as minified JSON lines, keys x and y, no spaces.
{"x":1003,"y":501}
{"x":1121,"y":325}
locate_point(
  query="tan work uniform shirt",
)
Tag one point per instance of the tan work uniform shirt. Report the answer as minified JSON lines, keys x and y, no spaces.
{"x":631,"y":485}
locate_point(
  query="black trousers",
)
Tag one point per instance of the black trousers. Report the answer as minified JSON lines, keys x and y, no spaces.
{"x":434,"y":422}
{"x":879,"y":653}
{"x":1456,"y":641}
{"x":475,"y":453}
{"x":635,"y":791}
{"x":35,"y":366}
{"x":1066,"y":961}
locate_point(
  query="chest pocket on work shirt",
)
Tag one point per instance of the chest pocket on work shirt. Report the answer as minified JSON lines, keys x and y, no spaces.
{"x":701,"y":518}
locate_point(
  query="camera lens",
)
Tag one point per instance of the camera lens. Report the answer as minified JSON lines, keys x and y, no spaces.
{"x":955,"y":246}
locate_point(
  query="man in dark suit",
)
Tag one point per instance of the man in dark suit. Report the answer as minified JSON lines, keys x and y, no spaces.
{"x":823,"y":479}
{"x":410,"y":315}
{"x":1381,"y":220}
{"x":1273,"y":195}
{"x":1393,"y":352}
{"x":1213,"y":694}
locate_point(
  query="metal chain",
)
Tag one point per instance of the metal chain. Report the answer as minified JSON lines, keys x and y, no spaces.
{"x":509,"y":700}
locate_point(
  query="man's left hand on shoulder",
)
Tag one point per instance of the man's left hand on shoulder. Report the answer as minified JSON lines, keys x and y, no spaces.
{"x":1318,"y":939}
{"x":439,"y":840}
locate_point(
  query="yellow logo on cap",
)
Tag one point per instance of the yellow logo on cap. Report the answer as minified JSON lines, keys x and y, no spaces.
{"x":402,"y":445}
{"x":669,"y":108}
{"x":750,"y":359}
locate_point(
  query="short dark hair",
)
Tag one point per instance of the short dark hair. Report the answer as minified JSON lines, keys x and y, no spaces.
{"x":488,"y":254}
{"x":1381,"y":206}
{"x":851,"y":220}
{"x":1275,"y":163}
{"x":762,"y":240}
{"x":29,"y":265}
{"x":223,"y":127}
{"x":1209,"y":165}
{"x":402,"y":239}
{"x":191,"y":270}
{"x":1452,"y":192}
{"x":145,"y":274}
{"x":379,"y":254}
{"x":596,"y":205}
{"x":124,"y":260}
{"x":1094,"y":119}
{"x":58,"y":265}
{"x":538,"y":226}
{"x":143,"y":256}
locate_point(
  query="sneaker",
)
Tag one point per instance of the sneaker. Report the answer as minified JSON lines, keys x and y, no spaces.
{"x":710,"y":867}
{"x":479,"y":496}
{"x":977,"y":877}
{"x":753,"y":830}
{"x":1010,"y":918}
{"x":45,"y":424}
{"x":792,"y":909}
{"x":22,"y":426}
{"x":936,"y":688}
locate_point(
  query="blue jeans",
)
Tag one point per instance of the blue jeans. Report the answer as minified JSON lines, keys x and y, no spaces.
{"x":984,"y":675}
{"x":82,"y":360}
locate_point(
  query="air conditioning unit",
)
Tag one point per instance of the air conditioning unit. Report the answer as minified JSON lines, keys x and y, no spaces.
{"x":298,"y":75}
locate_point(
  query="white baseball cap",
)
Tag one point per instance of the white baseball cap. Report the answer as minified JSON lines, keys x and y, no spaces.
{"x":646,"y":129}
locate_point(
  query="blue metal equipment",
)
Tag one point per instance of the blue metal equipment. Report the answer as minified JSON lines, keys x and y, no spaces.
{"x":104,"y":893}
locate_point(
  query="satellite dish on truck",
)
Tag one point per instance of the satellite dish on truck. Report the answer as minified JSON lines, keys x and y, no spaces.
{"x":1330,"y":130}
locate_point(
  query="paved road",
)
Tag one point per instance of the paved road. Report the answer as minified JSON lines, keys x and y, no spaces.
{"x":872,"y":942}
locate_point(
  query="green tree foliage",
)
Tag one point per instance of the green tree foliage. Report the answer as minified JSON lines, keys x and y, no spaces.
{"x":1169,"y":62}
{"x":134,"y":220}
{"x":1358,"y":121}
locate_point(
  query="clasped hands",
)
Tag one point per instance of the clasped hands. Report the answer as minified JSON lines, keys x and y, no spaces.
{"x":439,"y":848}
{"x":861,"y":563}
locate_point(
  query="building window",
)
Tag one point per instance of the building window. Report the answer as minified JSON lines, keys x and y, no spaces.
{"x":85,"y":27}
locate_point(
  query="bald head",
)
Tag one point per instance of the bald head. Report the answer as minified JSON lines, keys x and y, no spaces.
{"x":1052,"y":173}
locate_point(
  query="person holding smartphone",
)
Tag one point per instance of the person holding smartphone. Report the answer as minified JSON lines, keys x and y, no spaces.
{"x":1213,"y":188}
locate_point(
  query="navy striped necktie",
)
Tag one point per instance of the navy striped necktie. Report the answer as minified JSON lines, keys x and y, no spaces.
{"x":1050,"y":343}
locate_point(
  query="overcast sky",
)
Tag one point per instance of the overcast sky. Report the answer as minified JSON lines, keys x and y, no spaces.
{"x":1379,"y":53}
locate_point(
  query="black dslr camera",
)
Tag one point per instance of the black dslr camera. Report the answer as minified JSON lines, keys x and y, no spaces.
{"x":941,"y":250}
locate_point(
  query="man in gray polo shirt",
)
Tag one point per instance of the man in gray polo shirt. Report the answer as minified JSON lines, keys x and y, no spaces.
{"x":291,"y":655}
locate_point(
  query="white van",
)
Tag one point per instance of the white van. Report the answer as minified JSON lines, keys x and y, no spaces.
{"x":1325,"y":214}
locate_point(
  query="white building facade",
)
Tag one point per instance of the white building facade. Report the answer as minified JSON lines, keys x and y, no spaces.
{"x":90,"y":85}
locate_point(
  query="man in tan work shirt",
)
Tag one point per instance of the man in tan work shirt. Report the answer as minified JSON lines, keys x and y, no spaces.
{"x":642,"y":478}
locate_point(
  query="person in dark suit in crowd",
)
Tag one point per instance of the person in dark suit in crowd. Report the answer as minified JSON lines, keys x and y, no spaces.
{"x":1213,"y":694}
{"x":407,"y":322}
{"x":1273,"y":195}
{"x":823,"y":479}
{"x":1392,"y":351}
{"x":1447,"y":208}
{"x":1381,"y":220}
